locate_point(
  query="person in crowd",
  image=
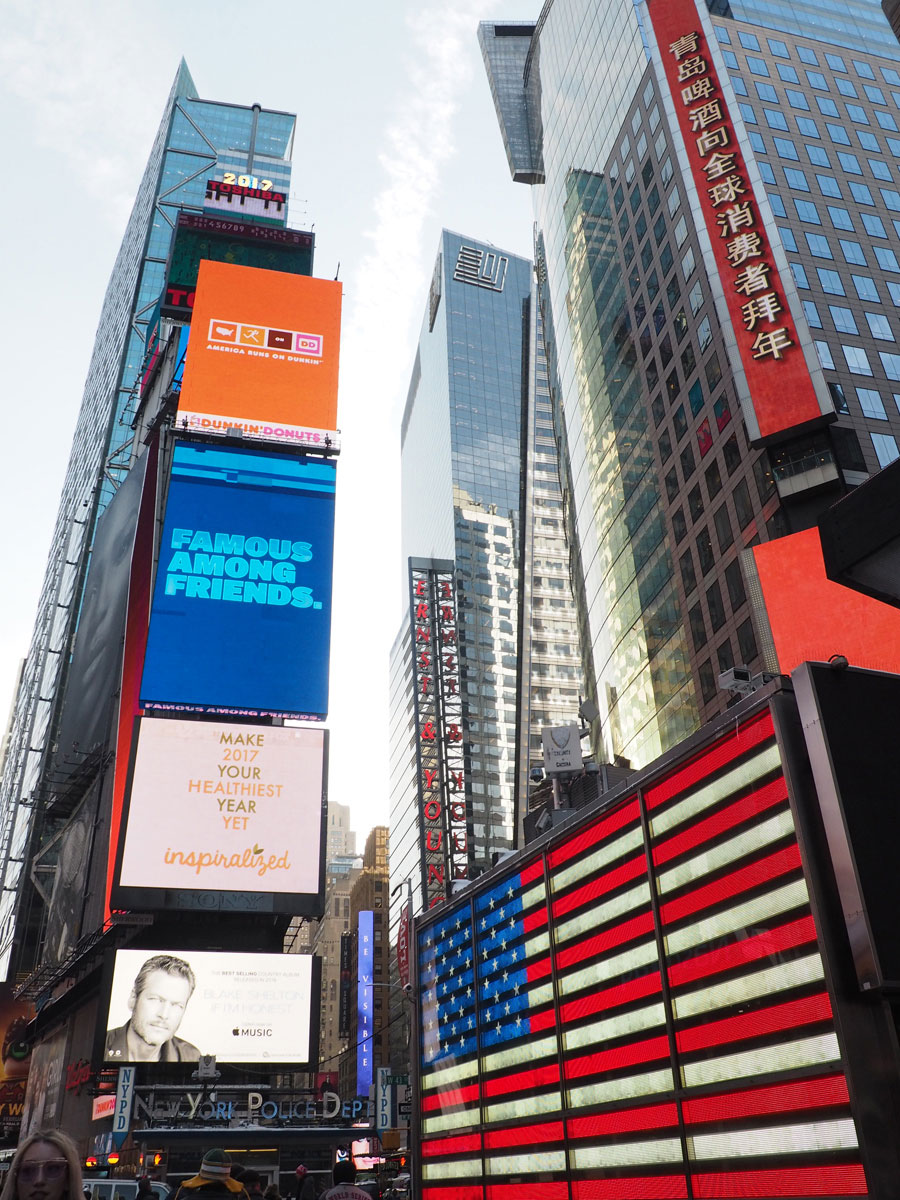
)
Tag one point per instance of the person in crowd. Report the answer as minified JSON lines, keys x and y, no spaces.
{"x":306,"y":1187}
{"x":252,"y":1182}
{"x":344,"y":1175}
{"x":144,"y":1188}
{"x":213,"y":1179}
{"x":158,"y":1001}
{"x":272,"y":1192}
{"x":46,"y":1166}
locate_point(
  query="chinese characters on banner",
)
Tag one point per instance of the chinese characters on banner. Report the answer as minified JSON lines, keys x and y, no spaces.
{"x":439,"y":737}
{"x":781,"y":390}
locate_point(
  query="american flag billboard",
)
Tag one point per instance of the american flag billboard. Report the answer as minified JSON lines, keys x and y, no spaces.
{"x":640,"y":1009}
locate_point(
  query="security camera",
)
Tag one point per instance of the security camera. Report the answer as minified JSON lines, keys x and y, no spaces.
{"x":838,"y":662}
{"x":544,"y":821}
{"x":536,"y":774}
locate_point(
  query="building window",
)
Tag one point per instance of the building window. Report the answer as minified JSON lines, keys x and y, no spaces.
{"x":870,"y":403}
{"x":787,"y":74}
{"x":830,"y":281}
{"x":708,"y":686}
{"x":796,"y":179}
{"x":885,"y":446}
{"x":679,"y":525}
{"x":828,"y":186}
{"x":873,"y":225}
{"x":743,"y":506}
{"x":812,"y":314}
{"x":768,"y":95}
{"x":865,"y":287}
{"x":807,"y":211}
{"x":713,"y":480}
{"x":746,"y":641}
{"x":853,"y":252}
{"x":799,"y":275}
{"x":886,"y":258}
{"x":725,"y":656}
{"x":838,"y":134}
{"x":850,"y":163}
{"x":705,"y":555}
{"x":688,"y":576}
{"x":857,"y":360}
{"x":860,"y":192}
{"x":695,"y":503}
{"x":698,"y":626}
{"x":825,"y":358}
{"x":890,"y":364}
{"x":777,"y":48}
{"x":735,"y":583}
{"x":715,"y":606}
{"x":837,"y":64}
{"x":757,"y":66}
{"x":879,"y":326}
{"x":777,"y":120}
{"x":724,"y":534}
{"x":817,"y":80}
{"x":818,"y":245}
{"x":844,"y":321}
{"x":808,"y":128}
{"x":785,"y":148}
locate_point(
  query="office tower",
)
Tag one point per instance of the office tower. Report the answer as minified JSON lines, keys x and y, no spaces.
{"x":708,"y":414}
{"x":476,"y":420}
{"x":196,"y":139}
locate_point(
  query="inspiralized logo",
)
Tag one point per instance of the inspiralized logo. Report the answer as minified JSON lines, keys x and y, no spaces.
{"x":261,"y":337}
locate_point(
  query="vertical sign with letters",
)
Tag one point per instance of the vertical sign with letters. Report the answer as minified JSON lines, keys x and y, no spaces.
{"x":365,"y":1002}
{"x":124,"y":1099}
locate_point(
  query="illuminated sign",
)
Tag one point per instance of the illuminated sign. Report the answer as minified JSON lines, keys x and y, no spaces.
{"x":102,"y":1106}
{"x":365,"y":1002}
{"x":257,"y":203}
{"x":241,"y":615}
{"x":243,"y":243}
{"x":176,"y":1005}
{"x":224,"y":808}
{"x":439,"y":737}
{"x":194,"y":1107}
{"x":656,"y":971}
{"x":264,"y":350}
{"x":809,"y":617}
{"x":781,"y":390}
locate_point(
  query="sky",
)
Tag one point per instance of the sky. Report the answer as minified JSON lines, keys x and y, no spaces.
{"x":396,"y":138}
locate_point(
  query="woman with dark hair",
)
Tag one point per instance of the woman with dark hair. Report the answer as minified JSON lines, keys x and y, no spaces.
{"x":46,"y":1166}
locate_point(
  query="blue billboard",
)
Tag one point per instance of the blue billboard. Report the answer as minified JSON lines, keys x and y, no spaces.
{"x":241,"y":617}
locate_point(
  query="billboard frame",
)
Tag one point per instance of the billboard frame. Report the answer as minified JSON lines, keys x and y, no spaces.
{"x":215,"y":900}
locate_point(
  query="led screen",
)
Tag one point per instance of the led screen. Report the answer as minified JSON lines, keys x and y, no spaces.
{"x":241,"y":613}
{"x":263,"y":351}
{"x":230,"y":808}
{"x":176,"y":1005}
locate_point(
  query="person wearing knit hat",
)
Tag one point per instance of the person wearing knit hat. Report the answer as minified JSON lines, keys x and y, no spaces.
{"x":306,"y":1188}
{"x":212,"y":1180}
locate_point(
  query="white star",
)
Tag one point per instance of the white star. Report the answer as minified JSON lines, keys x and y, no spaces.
{"x":495,"y":965}
{"x":484,"y":922}
{"x":446,"y":1047}
{"x":505,"y":976}
{"x":468,"y":991}
{"x":507,"y":1009}
{"x":444,"y":932}
{"x":450,"y":944}
{"x":487,"y":1014}
{"x":443,"y":960}
{"x":494,"y":934}
{"x":471,"y":1022}
{"x":514,"y":955}
{"x":503,"y":944}
{"x":453,"y":1029}
{"x":499,"y":1030}
{"x":496,"y":997}
{"x":516,"y":989}
{"x":484,"y":954}
{"x":462,"y":1041}
{"x":518,"y":1022}
{"x":512,"y":923}
{"x":492,"y":902}
{"x":510,"y":893}
{"x":468,"y":960}
{"x":452,"y":969}
{"x":458,"y":922}
{"x":445,"y":989}
{"x":502,"y":913}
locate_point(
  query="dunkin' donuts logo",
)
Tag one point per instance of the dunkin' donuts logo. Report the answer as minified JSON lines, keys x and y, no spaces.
{"x":260,"y":337}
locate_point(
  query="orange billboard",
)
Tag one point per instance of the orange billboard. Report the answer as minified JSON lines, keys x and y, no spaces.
{"x":262,"y":355}
{"x":811,"y":617}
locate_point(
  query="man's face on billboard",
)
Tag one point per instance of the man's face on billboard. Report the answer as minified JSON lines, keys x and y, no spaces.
{"x":157,"y":1012}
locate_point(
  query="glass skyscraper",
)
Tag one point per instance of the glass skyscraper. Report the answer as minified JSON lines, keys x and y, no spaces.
{"x":481,"y":501}
{"x":196,"y":140}
{"x":668,"y":486}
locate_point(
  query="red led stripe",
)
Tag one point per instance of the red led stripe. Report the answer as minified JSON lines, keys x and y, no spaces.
{"x":751,"y":876}
{"x":534,"y":870}
{"x":447,"y":1099}
{"x":453,"y":1191}
{"x":751,"y":949}
{"x":600,"y":885}
{"x":524,"y":1081}
{"x":555,"y":1189}
{"x":798,"y":1096}
{"x":822,"y":1180}
{"x":654,"y":1187}
{"x":755,"y":1024}
{"x":542,"y":1020}
{"x":721,"y":821}
{"x":600,"y":943}
{"x":622,"y":816}
{"x":620,"y":1056}
{"x":524,"y":1135}
{"x":451,"y":1145}
{"x":650,"y":1116}
{"x":537,"y":968}
{"x":726,"y":750}
{"x":612,"y":997}
{"x":535,"y":920}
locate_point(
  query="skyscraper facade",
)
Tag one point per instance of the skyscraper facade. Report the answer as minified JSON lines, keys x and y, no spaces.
{"x":673,"y":474}
{"x":195,"y":140}
{"x":474,"y":533}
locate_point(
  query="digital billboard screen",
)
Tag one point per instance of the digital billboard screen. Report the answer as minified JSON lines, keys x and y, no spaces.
{"x":241,"y":614}
{"x":176,"y":1005}
{"x":224,"y":808}
{"x":263,"y":351}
